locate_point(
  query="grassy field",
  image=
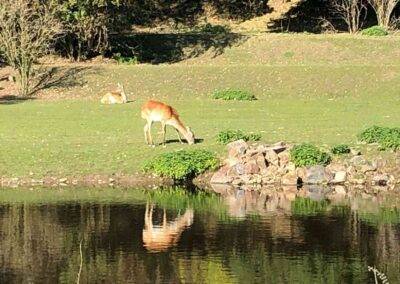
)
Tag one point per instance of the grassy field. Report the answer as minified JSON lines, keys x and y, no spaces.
{"x":322,"y":89}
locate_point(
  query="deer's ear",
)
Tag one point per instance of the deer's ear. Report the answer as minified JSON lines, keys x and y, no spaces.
{"x":188,"y":129}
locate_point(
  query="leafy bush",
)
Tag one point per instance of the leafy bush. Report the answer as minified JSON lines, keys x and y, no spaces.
{"x":308,"y":155}
{"x":375,"y":31}
{"x":227,"y":136}
{"x":386,"y":137}
{"x":183,"y":164}
{"x":213,"y":29}
{"x":125,"y":59}
{"x":340,"y":149}
{"x":236,"y":95}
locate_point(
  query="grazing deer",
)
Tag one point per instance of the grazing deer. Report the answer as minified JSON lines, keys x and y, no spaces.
{"x":158,"y":238}
{"x":154,"y":111}
{"x":117,"y":97}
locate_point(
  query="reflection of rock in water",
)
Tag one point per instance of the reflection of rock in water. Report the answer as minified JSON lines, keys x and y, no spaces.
{"x":158,"y":238}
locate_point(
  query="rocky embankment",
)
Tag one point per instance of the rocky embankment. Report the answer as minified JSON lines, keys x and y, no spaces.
{"x":270,"y":164}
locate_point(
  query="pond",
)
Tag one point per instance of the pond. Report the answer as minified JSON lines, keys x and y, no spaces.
{"x":177,"y":236}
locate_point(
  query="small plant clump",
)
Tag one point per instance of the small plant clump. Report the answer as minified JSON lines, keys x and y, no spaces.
{"x":386,"y":137}
{"x":125,"y":59}
{"x":227,"y":136}
{"x":183,"y":164}
{"x":233,"y":95}
{"x":340,"y":149}
{"x":375,"y":31}
{"x":308,"y":155}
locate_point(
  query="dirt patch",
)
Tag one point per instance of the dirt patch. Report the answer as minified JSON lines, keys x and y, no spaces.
{"x":94,"y":180}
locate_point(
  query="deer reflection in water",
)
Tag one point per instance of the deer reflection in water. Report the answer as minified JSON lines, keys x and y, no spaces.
{"x":158,"y":238}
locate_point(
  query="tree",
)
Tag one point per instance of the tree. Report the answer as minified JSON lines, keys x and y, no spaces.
{"x":383,"y":10}
{"x":27,"y":30}
{"x":353,"y":12}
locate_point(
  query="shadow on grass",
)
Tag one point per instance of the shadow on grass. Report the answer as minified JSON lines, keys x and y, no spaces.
{"x":172,"y":141}
{"x":170,"y":48}
{"x":61,"y":77}
{"x":11,"y":100}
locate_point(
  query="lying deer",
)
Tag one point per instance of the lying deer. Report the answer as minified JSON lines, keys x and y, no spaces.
{"x":158,"y":238}
{"x":154,"y":111}
{"x":116,"y":97}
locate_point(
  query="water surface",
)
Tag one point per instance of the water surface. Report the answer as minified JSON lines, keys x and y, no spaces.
{"x":171,"y":236}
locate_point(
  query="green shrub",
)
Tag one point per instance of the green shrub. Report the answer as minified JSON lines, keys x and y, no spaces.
{"x":386,"y":137}
{"x":183,"y":164}
{"x":236,"y":95}
{"x":125,"y":59}
{"x":213,"y":29}
{"x":308,"y":155}
{"x":227,"y":136}
{"x":340,"y":149}
{"x":374,"y":31}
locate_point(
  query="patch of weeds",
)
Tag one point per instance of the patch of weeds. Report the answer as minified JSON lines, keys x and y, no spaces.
{"x":308,"y":155}
{"x":125,"y":59}
{"x":375,"y":31}
{"x":340,"y":149}
{"x":183,"y":164}
{"x":235,"y":95}
{"x":386,"y":137}
{"x":227,"y":136}
{"x":288,"y":54}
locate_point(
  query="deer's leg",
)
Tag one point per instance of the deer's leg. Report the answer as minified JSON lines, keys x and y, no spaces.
{"x":150,"y":123}
{"x":145,"y":129}
{"x":163,"y":132}
{"x":179,"y":136}
{"x":165,"y":219}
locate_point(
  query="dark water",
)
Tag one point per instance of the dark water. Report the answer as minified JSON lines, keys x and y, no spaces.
{"x":170,"y":236}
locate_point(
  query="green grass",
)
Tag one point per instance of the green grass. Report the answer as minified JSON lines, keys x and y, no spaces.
{"x":301,"y":100}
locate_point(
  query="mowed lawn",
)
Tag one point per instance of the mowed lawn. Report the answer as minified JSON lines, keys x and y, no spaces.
{"x":320,"y":101}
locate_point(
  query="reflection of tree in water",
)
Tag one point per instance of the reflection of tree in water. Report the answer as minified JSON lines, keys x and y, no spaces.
{"x":43,"y":241}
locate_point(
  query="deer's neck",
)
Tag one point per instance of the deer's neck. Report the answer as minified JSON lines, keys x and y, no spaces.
{"x":181,"y":128}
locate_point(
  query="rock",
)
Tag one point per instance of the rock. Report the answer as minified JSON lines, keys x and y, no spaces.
{"x":237,"y":148}
{"x":339,"y":177}
{"x":358,"y":178}
{"x":368,"y":167}
{"x":355,"y":152}
{"x":290,"y":167}
{"x":238,"y":169}
{"x":381,"y":179}
{"x":279,"y":147}
{"x":230,"y":162}
{"x":221,"y":176}
{"x":317,"y":175}
{"x":237,"y":181}
{"x":340,"y":189}
{"x":333,"y":167}
{"x":284,"y":158}
{"x":358,"y":161}
{"x":289,"y":179}
{"x":251,"y":168}
{"x":301,"y":174}
{"x":272,"y":157}
{"x":261,"y":163}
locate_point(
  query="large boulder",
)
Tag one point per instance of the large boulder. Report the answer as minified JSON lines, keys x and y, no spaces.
{"x":236,"y":149}
{"x":317,"y":175}
{"x":221,"y":176}
{"x":339,"y":177}
{"x":289,"y":179}
{"x":272,"y":157}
